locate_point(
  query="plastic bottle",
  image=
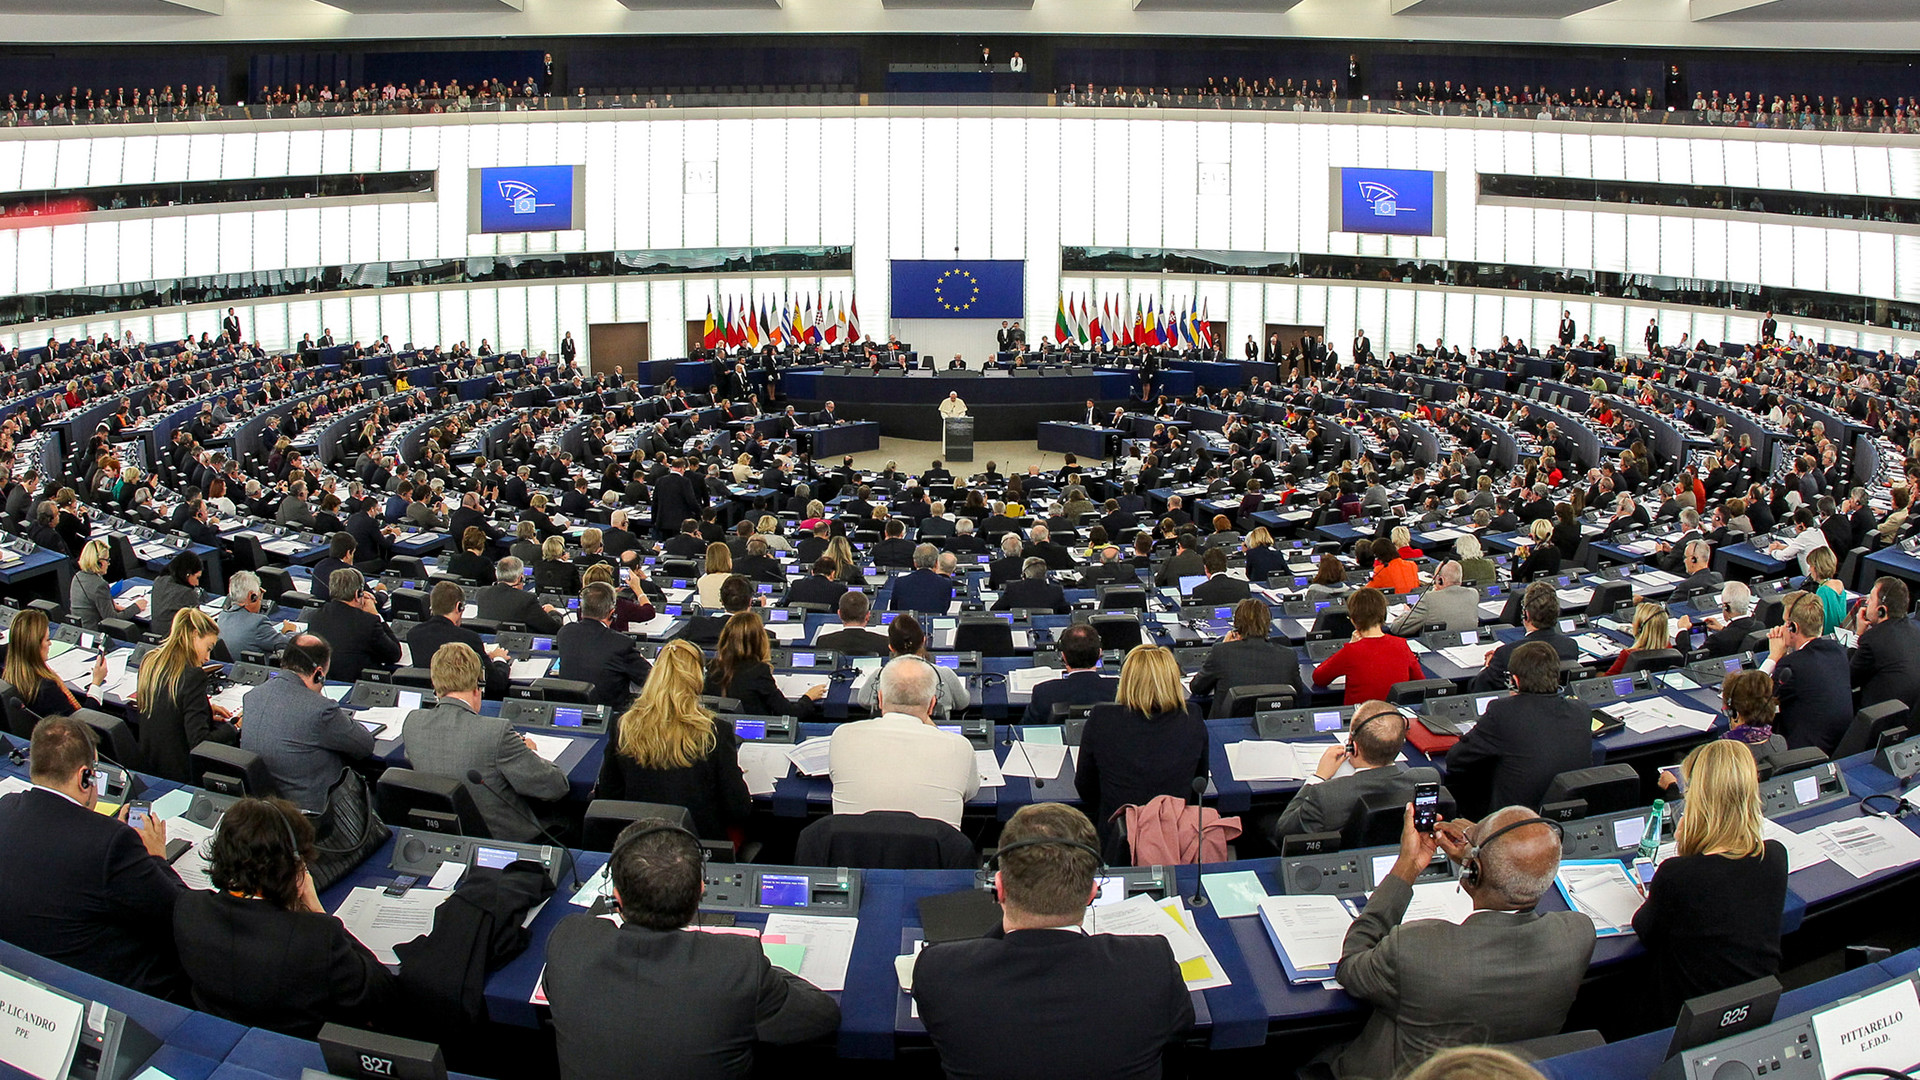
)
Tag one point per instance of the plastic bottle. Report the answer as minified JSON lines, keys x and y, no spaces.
{"x":1650,"y":839}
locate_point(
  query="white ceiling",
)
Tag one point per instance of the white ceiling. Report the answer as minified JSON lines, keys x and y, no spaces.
{"x":1856,"y":25}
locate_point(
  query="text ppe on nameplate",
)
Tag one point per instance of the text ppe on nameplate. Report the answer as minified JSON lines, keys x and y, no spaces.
{"x":39,"y":1029}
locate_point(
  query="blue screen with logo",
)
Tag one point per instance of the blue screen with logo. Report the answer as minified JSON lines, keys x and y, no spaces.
{"x":526,"y":198}
{"x":1398,"y":202}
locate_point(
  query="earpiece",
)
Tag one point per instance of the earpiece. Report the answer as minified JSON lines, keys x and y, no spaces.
{"x":1470,"y":866}
{"x":628,"y":839}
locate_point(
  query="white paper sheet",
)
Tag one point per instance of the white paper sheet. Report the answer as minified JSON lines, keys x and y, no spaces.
{"x":1867,"y":845}
{"x":389,"y":717}
{"x":1023,"y":680}
{"x":1801,"y":852}
{"x":550,"y":747}
{"x":764,"y":764}
{"x":1604,"y":893}
{"x":811,"y":757}
{"x":1443,"y":900}
{"x":1310,"y":928}
{"x":1142,"y":916}
{"x":1039,"y":760}
{"x":989,"y":769}
{"x":829,"y":942}
{"x":382,"y":922}
{"x":796,"y":686}
{"x":532,"y":668}
{"x":1260,"y":759}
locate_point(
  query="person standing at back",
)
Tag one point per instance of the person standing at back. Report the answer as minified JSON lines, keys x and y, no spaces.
{"x":1085,"y":1005}
{"x":647,"y":998}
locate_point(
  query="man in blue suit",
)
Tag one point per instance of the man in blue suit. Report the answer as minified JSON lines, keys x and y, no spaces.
{"x":1081,"y":685}
{"x":929,"y":587}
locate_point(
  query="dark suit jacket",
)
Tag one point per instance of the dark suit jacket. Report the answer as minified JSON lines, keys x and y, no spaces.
{"x":896,"y":551}
{"x":504,"y":603}
{"x":1520,"y":744}
{"x":814,"y":589}
{"x":1727,"y":640}
{"x":94,"y":900}
{"x":1127,"y":758}
{"x":636,"y":1004}
{"x":1328,"y":806}
{"x":1004,"y":569}
{"x":1073,"y":688}
{"x":1221,"y":589}
{"x":360,"y":639}
{"x":1032,"y":593}
{"x":288,"y":971}
{"x":1494,"y":675}
{"x":753,"y":687}
{"x":1057,"y":985}
{"x":172,"y":726}
{"x":426,"y":639}
{"x":1886,"y":663}
{"x":674,"y":501}
{"x":1814,"y":686}
{"x":596,"y":653}
{"x":921,"y":590}
{"x":1233,"y":664}
{"x":853,"y":641}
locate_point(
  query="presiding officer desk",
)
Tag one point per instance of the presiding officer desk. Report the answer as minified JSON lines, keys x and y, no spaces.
{"x":1005,"y":405}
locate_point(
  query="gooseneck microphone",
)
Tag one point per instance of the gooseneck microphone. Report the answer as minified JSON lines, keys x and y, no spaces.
{"x":1199,"y":899}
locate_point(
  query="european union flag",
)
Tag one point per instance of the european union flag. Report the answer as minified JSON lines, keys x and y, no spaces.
{"x":956,"y":289}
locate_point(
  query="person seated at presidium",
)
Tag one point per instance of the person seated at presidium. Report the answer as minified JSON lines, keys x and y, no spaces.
{"x":1037,"y":973}
{"x":649,"y":999}
{"x":1527,"y":964}
{"x":1146,"y":744}
{"x":259,"y":949}
{"x":669,"y":748}
{"x":175,"y":713}
{"x":1372,"y":660}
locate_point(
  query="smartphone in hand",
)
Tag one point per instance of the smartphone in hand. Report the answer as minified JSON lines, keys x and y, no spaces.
{"x":1426,"y":806}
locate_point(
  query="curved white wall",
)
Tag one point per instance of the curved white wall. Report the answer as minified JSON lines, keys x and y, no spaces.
{"x":921,"y":184}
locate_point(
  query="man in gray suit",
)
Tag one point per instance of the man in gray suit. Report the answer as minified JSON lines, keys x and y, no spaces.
{"x":452,"y":739}
{"x":303,"y":736}
{"x":1509,"y":972}
{"x":1246,"y":658}
{"x":294,"y":509}
{"x":1447,"y":602}
{"x":243,"y":626}
{"x":1343,"y":778}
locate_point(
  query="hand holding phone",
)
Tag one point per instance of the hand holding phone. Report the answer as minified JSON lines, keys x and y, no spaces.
{"x":1426,"y":806}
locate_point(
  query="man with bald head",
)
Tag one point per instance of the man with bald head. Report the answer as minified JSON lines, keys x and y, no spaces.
{"x":1507,"y":973}
{"x":899,"y":760}
{"x":1346,"y":775}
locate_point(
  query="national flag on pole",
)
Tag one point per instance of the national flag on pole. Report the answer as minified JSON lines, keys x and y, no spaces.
{"x":777,"y":325}
{"x":1098,"y":331}
{"x":751,"y":332}
{"x":1206,"y":327}
{"x":1061,"y":327}
{"x":710,"y":336}
{"x":794,"y":326}
{"x":818,"y":331}
{"x":853,"y":320}
{"x":726,"y":335}
{"x":1085,"y":327}
{"x":837,"y":319}
{"x":1156,"y":333}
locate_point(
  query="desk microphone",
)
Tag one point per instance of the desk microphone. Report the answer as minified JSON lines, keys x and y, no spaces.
{"x":1200,"y":851}
{"x":573,"y":867}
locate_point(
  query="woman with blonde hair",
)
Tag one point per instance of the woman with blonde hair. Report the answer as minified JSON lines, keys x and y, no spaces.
{"x":1827,"y":589}
{"x":719,"y":568}
{"x":1263,"y":559}
{"x":1146,"y":744}
{"x":176,"y":714}
{"x":555,"y":573}
{"x":669,"y":748}
{"x":1651,"y":632}
{"x":1543,"y":555}
{"x":767,"y":528}
{"x":1474,"y":1063}
{"x":846,"y":569}
{"x":742,"y":468}
{"x":90,"y":598}
{"x":1712,"y":915}
{"x":27,"y":672}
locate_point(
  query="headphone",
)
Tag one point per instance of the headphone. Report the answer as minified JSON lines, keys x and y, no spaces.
{"x":1470,"y":868}
{"x":1099,"y":860}
{"x":1899,"y":808}
{"x":634,"y":836}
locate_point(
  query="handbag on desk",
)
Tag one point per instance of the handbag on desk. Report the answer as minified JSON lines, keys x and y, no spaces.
{"x":347,"y":831}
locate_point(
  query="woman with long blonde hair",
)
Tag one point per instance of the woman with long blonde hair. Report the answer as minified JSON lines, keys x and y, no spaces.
{"x":1712,"y":916}
{"x":176,"y":714}
{"x":1651,"y":632}
{"x":669,"y":748}
{"x":1148,"y":743}
{"x":846,"y":569}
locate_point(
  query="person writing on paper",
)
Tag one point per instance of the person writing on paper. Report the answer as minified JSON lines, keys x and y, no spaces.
{"x":646,"y":998}
{"x":101,"y":898}
{"x":742,"y":670}
{"x":952,"y":407}
{"x":1364,"y":769}
{"x":1148,"y":743}
{"x":38,"y":685}
{"x":303,"y":736}
{"x":669,"y":748}
{"x":243,"y":627}
{"x":899,"y":760}
{"x":90,"y":598}
{"x":452,"y":739}
{"x":176,"y":714}
{"x":1525,"y":966}
{"x":1712,"y":916}
{"x":1523,"y":740}
{"x":259,"y":949}
{"x":1038,"y":974}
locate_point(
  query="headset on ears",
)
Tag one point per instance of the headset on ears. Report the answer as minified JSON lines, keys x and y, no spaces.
{"x":633,"y":835}
{"x":1470,"y":866}
{"x":1099,"y":860}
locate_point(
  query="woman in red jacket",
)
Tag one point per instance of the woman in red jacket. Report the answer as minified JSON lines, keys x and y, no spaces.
{"x":1372,"y":660}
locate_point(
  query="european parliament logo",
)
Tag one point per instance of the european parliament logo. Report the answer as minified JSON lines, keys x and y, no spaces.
{"x":521,"y":196}
{"x":526,"y":198}
{"x":1393,"y":202}
{"x":1384,"y":200}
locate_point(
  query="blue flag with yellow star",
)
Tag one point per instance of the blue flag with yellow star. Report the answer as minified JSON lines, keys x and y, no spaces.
{"x":959,"y":289}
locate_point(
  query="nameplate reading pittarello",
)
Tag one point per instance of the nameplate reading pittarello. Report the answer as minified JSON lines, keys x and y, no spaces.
{"x":39,"y":1029}
{"x":1878,"y":1029}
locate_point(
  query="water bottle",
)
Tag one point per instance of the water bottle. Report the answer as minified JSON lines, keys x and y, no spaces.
{"x":1650,"y":839}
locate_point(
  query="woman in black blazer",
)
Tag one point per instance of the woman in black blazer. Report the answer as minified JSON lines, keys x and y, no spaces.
{"x":471,"y":561}
{"x":176,"y":715}
{"x":668,"y":748}
{"x":1263,"y":559}
{"x":1148,"y":743}
{"x":1566,"y":531}
{"x":260,"y":950}
{"x":742,"y":670}
{"x":1543,"y":557}
{"x":555,"y":573}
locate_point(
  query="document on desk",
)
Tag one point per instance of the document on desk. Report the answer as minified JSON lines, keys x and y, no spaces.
{"x":1037,"y":760}
{"x":1867,"y":845}
{"x":1142,"y":916}
{"x":1308,"y":932}
{"x":653,"y":627}
{"x":1443,"y":900}
{"x":535,"y":667}
{"x":1657,"y":714}
{"x":810,"y":757}
{"x":1574,"y":598}
{"x":591,"y":889}
{"x":381,"y":922}
{"x":1261,"y":759}
{"x":1472,"y":657}
{"x":1603,"y":890}
{"x":1802,"y":852}
{"x":764,"y":765}
{"x":192,"y":866}
{"x":390,"y":718}
{"x":229,"y":697}
{"x":74,"y":665}
{"x":989,"y":768}
{"x":796,"y":686}
{"x":827,"y":939}
{"x":550,"y":747}
{"x":1203,"y":972}
{"x":1023,"y":680}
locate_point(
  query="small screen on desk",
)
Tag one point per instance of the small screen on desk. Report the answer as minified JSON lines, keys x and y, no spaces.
{"x":1567,"y":626}
{"x":947,"y":660}
{"x":673,"y":610}
{"x":1188,"y":581}
{"x":1321,"y":605}
{"x":1480,"y":704}
{"x":1623,"y":686}
{"x":408,"y":699}
{"x":783,"y":890}
{"x":541,"y":644}
{"x":493,"y":858}
{"x":1299,"y":583}
{"x":1629,"y":831}
{"x":1469,"y":637}
{"x":566,"y":717}
{"x":1733,"y":664}
{"x":750,"y":729}
{"x":573,"y":603}
{"x":1383,"y":866}
{"x":778,"y":614}
{"x":764,"y":588}
{"x":803,"y":659}
{"x":954,"y":728}
{"x":1223,"y":613}
{"x":1327,"y":721}
{"x":886,"y":617}
{"x":1806,"y":789}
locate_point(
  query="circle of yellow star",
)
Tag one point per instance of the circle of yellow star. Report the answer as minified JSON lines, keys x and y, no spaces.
{"x":966,"y":301}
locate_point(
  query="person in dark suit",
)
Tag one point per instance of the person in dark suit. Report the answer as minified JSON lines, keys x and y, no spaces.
{"x":1365,"y":768}
{"x":674,"y":499}
{"x":818,"y":587}
{"x":1186,"y":562}
{"x":926,"y":588}
{"x":1886,"y":658}
{"x":1540,"y":618}
{"x":1219,"y":588}
{"x":1081,"y":683}
{"x":896,"y":550}
{"x":82,"y":888}
{"x":592,"y":651}
{"x":1039,"y":974}
{"x":1148,"y":743}
{"x":1033,"y":591}
{"x":1522,"y":742}
{"x":507,"y":600}
{"x":470,"y":515}
{"x":1728,"y":631}
{"x":351,"y":623}
{"x":1007,"y":567}
{"x":853,"y":638}
{"x":259,"y":949}
{"x":668,"y":748}
{"x":471,"y":563}
{"x":1246,"y":658}
{"x":742,"y":669}
{"x":1811,"y":678}
{"x":446,"y":607}
{"x":645,"y":999}
{"x":373,"y":545}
